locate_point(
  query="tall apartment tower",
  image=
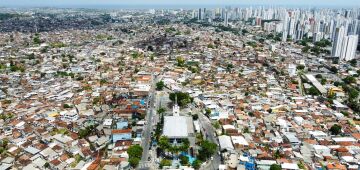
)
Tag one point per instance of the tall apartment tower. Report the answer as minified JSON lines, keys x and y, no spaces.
{"x":338,"y":41}
{"x":200,"y":14}
{"x":226,"y":19}
{"x":349,"y":46}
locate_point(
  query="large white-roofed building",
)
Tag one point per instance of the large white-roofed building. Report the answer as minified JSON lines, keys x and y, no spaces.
{"x":175,"y":127}
{"x":178,"y":127}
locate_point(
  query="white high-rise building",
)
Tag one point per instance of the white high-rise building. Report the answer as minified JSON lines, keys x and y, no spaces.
{"x":349,"y":47}
{"x":338,"y":42}
{"x":226,"y":19}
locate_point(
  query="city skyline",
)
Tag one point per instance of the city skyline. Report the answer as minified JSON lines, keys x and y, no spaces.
{"x":83,"y":3}
{"x":201,"y":84}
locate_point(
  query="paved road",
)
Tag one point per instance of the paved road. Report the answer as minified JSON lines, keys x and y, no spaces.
{"x":144,"y":164}
{"x":210,"y":135}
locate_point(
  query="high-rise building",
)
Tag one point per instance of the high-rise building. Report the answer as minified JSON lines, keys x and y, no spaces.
{"x":203,"y":14}
{"x":200,"y":14}
{"x":338,"y":39}
{"x":226,"y":19}
{"x":349,"y":46}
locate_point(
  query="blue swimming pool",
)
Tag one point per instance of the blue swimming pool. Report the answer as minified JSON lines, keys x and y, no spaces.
{"x":190,"y":158}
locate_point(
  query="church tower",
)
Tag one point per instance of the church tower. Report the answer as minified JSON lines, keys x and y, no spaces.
{"x":176,"y":108}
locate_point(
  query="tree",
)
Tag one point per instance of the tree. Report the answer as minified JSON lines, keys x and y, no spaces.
{"x":305,"y":49}
{"x":261,"y":40}
{"x":66,"y":106}
{"x":207,"y":149}
{"x":164,"y":143}
{"x":184,"y":146}
{"x":211,"y":46}
{"x":180,"y":61}
{"x":229,"y":67}
{"x":184,"y":160}
{"x":345,"y":113}
{"x":161,"y":110}
{"x":277,"y":154}
{"x":182,"y":98}
{"x":196,"y":164}
{"x":319,"y":76}
{"x":103,"y":81}
{"x":86,"y":132}
{"x":207,"y":112}
{"x":313,"y":91}
{"x":135,"y":151}
{"x":353,"y":62}
{"x":165,"y":162}
{"x":134,"y":162}
{"x":4,"y":143}
{"x":244,"y":31}
{"x":349,"y":80}
{"x":251,"y":114}
{"x":300,"y":67}
{"x":335,"y":129}
{"x":195,"y":117}
{"x":46,"y":165}
{"x":216,"y":125}
{"x":323,"y":81}
{"x":83,"y":133}
{"x":275,"y":167}
{"x":353,"y":93}
{"x":333,"y":69}
{"x":246,"y":130}
{"x":160,"y":85}
{"x":301,"y":165}
{"x":36,"y":40}
{"x":96,"y":100}
{"x":337,"y":84}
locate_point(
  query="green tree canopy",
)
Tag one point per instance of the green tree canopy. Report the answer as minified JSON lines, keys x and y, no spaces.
{"x":134,"y":162}
{"x":164,"y":143}
{"x":275,"y":167}
{"x":184,"y":160}
{"x":353,"y":62}
{"x":135,"y":151}
{"x":196,"y":164}
{"x":180,"y":61}
{"x":182,"y":98}
{"x":313,"y":91}
{"x":349,"y":79}
{"x":335,"y":129}
{"x":165,"y":162}
{"x":300,"y":67}
{"x":207,"y":149}
{"x":160,"y":85}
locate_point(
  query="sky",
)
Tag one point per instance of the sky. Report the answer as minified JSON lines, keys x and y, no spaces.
{"x":32,"y":3}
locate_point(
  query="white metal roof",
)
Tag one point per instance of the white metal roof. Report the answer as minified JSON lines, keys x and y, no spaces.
{"x":175,"y":127}
{"x":225,"y":143}
{"x":316,"y":83}
{"x":289,"y":166}
{"x":239,"y":140}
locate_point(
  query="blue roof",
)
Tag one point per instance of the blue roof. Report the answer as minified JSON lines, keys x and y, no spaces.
{"x":122,"y":125}
{"x":134,"y":107}
{"x":124,"y":136}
